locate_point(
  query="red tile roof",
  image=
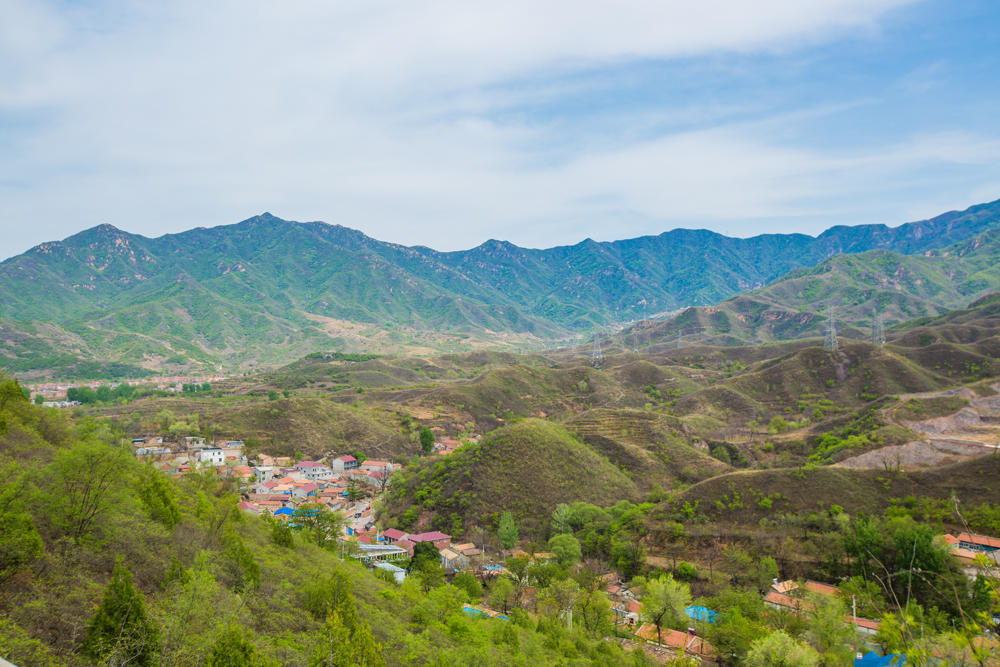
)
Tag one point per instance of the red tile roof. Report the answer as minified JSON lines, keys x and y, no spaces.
{"x":822,"y":589}
{"x":347,"y":459}
{"x":433,"y":536}
{"x":788,"y":601}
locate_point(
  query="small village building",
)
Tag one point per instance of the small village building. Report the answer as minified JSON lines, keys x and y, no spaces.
{"x":212,"y":455}
{"x":344,"y":463}
{"x":398,"y":573}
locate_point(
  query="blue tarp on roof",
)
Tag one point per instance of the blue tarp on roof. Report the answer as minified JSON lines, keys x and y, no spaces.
{"x":873,"y":659}
{"x":283,"y":510}
{"x":699,"y":613}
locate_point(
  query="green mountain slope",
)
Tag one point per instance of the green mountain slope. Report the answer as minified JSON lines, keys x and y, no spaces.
{"x":265,"y":291}
{"x":897,"y":287}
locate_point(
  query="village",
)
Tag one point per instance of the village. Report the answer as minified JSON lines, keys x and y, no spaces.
{"x":283,"y":489}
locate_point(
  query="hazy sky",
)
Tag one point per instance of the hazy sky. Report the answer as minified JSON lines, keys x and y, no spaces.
{"x":445,"y":123}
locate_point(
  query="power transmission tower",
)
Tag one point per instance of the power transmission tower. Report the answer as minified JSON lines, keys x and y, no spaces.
{"x":879,"y":333}
{"x":830,"y":343}
{"x":680,"y":340}
{"x":596,"y":357}
{"x":635,"y":340}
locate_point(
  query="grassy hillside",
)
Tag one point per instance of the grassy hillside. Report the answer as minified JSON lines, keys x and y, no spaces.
{"x":525,"y":468}
{"x":746,"y":496}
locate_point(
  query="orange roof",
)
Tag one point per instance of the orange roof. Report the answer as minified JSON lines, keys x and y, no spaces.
{"x":864,"y":622}
{"x":788,"y":601}
{"x":677,"y":640}
{"x":981,"y":540}
{"x":822,"y":589}
{"x":951,"y":539}
{"x":375,"y":463}
{"x":785,"y":586}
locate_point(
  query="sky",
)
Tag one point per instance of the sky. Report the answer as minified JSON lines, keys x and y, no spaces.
{"x":446,"y":123}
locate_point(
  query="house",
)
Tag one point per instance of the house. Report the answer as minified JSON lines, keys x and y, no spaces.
{"x":318,"y":473}
{"x":822,"y":589}
{"x":305,"y":490}
{"x":980,"y":543}
{"x":344,"y":463}
{"x":453,"y":560}
{"x":212,"y":455}
{"x":377,"y":466}
{"x":392,"y":535}
{"x":783,"y":602}
{"x":863,"y":625}
{"x":438,"y":539}
{"x":784,"y":586}
{"x":679,"y":641}
{"x":398,"y":573}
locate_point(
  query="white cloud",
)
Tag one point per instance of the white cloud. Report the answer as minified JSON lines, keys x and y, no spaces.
{"x":384,"y":116}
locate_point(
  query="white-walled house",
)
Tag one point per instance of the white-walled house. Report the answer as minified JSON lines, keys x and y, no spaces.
{"x":213,"y":455}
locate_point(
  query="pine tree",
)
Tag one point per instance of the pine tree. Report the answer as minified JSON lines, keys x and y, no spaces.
{"x":157,"y":497}
{"x":121,"y":632}
{"x":507,"y":531}
{"x":233,"y":648}
{"x":281,"y":534}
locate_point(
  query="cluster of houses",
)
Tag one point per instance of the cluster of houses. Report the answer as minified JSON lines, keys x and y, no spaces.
{"x":446,"y":447}
{"x":54,"y":393}
{"x":789,"y":596}
{"x":967,"y":548}
{"x":282,"y":485}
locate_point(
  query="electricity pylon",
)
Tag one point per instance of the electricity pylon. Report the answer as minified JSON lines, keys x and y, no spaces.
{"x":830,"y":343}
{"x":596,"y":357}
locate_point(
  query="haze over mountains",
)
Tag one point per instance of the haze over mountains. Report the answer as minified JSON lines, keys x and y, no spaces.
{"x":267,"y":290}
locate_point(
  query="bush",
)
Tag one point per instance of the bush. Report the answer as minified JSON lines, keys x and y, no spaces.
{"x":686,"y":572}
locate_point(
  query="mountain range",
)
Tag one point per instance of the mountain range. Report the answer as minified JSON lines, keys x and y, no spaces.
{"x":266,"y":290}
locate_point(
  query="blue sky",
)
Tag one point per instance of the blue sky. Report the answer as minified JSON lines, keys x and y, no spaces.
{"x":445,"y":124}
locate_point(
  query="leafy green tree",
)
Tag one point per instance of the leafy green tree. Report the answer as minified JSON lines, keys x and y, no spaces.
{"x":507,"y":530}
{"x":10,"y":392}
{"x":502,"y":595}
{"x":778,"y":649}
{"x":566,"y":549}
{"x":157,"y":496}
{"x":665,"y":601}
{"x":426,"y":440}
{"x":85,"y":484}
{"x":234,"y":647}
{"x":335,"y":649}
{"x":242,"y":567}
{"x":828,"y":634}
{"x":732,"y":634}
{"x":39,"y":399}
{"x":318,"y":524}
{"x":424,"y":552}
{"x":281,"y":534}
{"x":121,"y":632}
{"x":560,"y":520}
{"x":20,"y":543}
{"x":468,"y":583}
{"x":559,"y":598}
{"x":767,"y":572}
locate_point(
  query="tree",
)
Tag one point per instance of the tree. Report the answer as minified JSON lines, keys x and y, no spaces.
{"x":318,"y":524}
{"x":426,"y":440}
{"x":121,"y":632}
{"x":20,"y":543}
{"x":507,"y":531}
{"x":502,"y":595}
{"x":560,"y":520}
{"x":424,"y":552}
{"x":281,"y":534}
{"x":566,"y":549}
{"x":732,"y":633}
{"x":767,"y":572}
{"x":87,"y":481}
{"x":335,"y":649}
{"x":778,"y":649}
{"x":559,"y":598}
{"x":828,"y":634}
{"x":354,"y":493}
{"x":665,"y":602}
{"x":157,"y":496}
{"x":594,"y":610}
{"x":234,"y":647}
{"x":468,"y":583}
{"x":39,"y":399}
{"x":10,"y":392}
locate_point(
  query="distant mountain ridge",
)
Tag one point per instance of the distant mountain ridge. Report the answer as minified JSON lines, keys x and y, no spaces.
{"x":266,"y":290}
